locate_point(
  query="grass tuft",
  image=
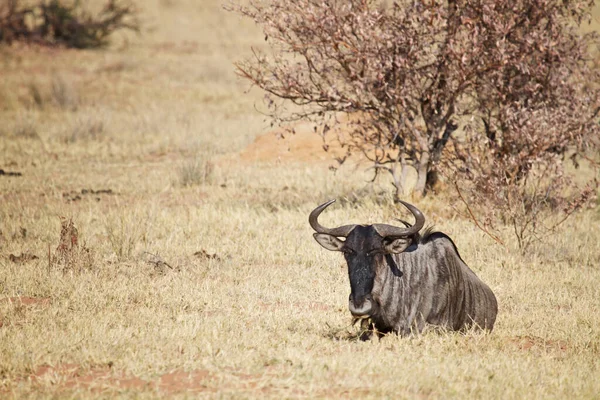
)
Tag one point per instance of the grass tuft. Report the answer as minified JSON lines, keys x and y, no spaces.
{"x":64,"y":94}
{"x":87,"y":128}
{"x":26,"y":127}
{"x":196,"y":171}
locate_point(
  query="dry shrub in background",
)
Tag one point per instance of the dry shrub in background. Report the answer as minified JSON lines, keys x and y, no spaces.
{"x":66,"y":23}
{"x":516,"y":175}
{"x":536,"y":118}
{"x":411,"y":73}
{"x":70,"y":254}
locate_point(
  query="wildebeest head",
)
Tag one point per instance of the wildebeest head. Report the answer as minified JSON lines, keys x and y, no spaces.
{"x":365,"y":247}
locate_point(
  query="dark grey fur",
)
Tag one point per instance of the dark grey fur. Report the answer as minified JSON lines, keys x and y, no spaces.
{"x":436,"y":287}
{"x":403,"y":284}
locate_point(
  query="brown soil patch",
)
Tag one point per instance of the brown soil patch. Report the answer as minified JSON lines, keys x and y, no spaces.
{"x":305,"y":145}
{"x":302,"y":146}
{"x":102,"y":378}
{"x":70,"y":376}
{"x":26,"y":301}
{"x":178,"y":381}
{"x":529,"y":343}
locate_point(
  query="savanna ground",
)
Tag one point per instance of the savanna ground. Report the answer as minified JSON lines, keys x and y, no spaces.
{"x":196,"y":273}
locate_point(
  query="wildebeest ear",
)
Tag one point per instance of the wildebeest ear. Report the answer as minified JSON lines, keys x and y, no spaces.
{"x":329,"y":242}
{"x":397,"y":245}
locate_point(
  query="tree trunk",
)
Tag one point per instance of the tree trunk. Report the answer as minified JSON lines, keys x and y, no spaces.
{"x":432,"y":181}
{"x":400,"y":178}
{"x":422,"y":170}
{"x":398,"y":182}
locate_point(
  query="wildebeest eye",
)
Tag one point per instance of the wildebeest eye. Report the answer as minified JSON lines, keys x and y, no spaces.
{"x":348,"y":250}
{"x":374,"y":252}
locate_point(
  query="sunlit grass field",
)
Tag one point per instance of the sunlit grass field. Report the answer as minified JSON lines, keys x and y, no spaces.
{"x":196,"y":274}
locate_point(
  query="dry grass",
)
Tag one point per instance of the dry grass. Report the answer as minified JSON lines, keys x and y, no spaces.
{"x":216,"y":288}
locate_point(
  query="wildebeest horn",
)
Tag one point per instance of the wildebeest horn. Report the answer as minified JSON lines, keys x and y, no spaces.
{"x":393,"y":231}
{"x":341,"y":231}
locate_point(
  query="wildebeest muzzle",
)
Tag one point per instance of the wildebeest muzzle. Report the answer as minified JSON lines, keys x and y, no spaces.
{"x":363,"y":308}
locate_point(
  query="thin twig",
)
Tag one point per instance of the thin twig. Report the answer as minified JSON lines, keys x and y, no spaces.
{"x":158,"y":261}
{"x":477,"y":224}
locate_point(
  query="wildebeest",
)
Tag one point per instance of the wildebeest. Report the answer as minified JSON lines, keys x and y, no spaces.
{"x":402,"y":281}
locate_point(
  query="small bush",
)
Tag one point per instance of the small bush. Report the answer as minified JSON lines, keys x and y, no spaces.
{"x":518,"y":175}
{"x":59,"y":22}
{"x":70,"y":254}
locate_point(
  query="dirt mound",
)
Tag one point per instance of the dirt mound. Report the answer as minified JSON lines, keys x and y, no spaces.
{"x":304,"y":145}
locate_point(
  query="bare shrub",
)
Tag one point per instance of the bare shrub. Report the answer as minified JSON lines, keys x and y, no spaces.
{"x":516,"y":175}
{"x":66,"y":23}
{"x":410,"y":74}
